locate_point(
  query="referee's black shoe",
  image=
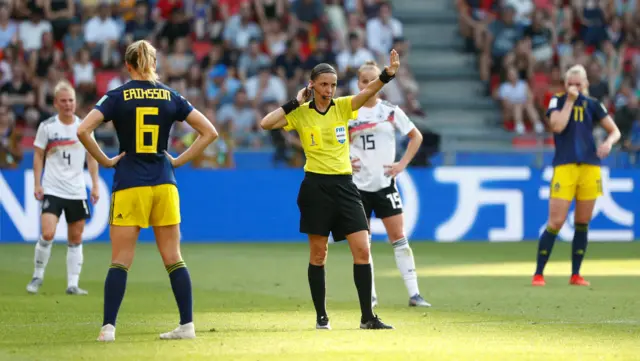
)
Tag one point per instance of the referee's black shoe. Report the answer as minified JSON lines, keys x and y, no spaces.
{"x":322,"y":323}
{"x":374,"y":324}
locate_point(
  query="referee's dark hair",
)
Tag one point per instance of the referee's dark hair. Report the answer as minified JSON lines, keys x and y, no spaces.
{"x":322,"y":68}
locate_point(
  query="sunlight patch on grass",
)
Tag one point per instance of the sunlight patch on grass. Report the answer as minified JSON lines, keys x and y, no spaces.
{"x":628,"y":267}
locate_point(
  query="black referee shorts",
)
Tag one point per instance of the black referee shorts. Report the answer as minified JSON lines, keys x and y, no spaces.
{"x":330,"y":204}
{"x":384,"y":203}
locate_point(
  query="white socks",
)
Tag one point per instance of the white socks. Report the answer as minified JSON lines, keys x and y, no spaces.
{"x":74,"y":261}
{"x":74,"y":264}
{"x":41,"y":257}
{"x":406,"y":265}
{"x":373,"y":278}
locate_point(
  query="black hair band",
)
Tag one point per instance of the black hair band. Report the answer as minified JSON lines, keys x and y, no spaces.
{"x":290,"y":106}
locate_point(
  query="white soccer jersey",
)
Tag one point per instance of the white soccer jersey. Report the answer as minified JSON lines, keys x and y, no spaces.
{"x":373,"y":142}
{"x":64,"y":159}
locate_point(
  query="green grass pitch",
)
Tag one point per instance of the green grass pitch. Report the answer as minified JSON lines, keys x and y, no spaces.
{"x":252,"y":302}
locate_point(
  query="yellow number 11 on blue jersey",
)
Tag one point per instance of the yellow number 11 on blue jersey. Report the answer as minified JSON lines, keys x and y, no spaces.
{"x":578,"y":114}
{"x":142,"y":129}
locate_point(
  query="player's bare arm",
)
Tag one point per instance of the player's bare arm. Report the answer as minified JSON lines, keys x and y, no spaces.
{"x":92,"y":166}
{"x":276,"y":119}
{"x":415,"y":140}
{"x":38,"y":165}
{"x":374,"y":87}
{"x":559,"y":119}
{"x":206,"y":134}
{"x":614,"y":136}
{"x":86,"y":128}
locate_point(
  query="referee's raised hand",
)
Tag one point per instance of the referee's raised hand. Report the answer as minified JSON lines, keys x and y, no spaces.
{"x":394,"y":63}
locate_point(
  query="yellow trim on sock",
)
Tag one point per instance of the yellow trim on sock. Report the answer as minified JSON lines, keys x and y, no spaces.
{"x":175,"y":266}
{"x":553,"y":231}
{"x":119,"y":266}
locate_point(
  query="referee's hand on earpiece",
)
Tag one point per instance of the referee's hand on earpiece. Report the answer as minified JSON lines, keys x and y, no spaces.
{"x":303,"y":95}
{"x":394,"y":63}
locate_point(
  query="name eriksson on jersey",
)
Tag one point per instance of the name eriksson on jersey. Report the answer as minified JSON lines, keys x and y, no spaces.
{"x":137,"y":93}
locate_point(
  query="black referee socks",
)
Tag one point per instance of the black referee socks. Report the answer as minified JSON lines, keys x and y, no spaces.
{"x":318,"y":289}
{"x":362,"y":276}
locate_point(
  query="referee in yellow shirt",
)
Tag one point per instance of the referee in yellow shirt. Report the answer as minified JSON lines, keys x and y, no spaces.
{"x":328,"y":200}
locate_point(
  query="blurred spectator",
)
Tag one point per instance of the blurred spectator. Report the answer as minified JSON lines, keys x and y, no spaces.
{"x":165,"y":8}
{"x":19,"y":96}
{"x":8,"y":28}
{"x":275,"y":39}
{"x":289,"y":66}
{"x":541,"y":38}
{"x":632,"y":142}
{"x":102,"y":35}
{"x":141,"y":26}
{"x":351,"y":58}
{"x":48,"y":56}
{"x":598,"y":86}
{"x":305,"y":13}
{"x":179,"y":61}
{"x":176,"y":28}
{"x":30,"y":31}
{"x":45,"y":93}
{"x":321,"y":54}
{"x":625,"y":117}
{"x":240,"y":28}
{"x":523,"y":10}
{"x":60,"y":13}
{"x":73,"y":41}
{"x":517,"y":99}
{"x":10,"y":152}
{"x":502,"y":37}
{"x":381,"y":31}
{"x":221,"y":86}
{"x":252,"y":60}
{"x":83,"y":73}
{"x":266,"y":87}
{"x":242,"y":120}
{"x":268,"y":10}
{"x":119,"y":80}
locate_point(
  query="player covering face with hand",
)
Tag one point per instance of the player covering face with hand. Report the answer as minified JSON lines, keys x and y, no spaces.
{"x":373,"y":153}
{"x":576,"y":175}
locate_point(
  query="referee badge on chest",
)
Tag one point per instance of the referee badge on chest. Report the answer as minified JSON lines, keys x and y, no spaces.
{"x":341,"y":134}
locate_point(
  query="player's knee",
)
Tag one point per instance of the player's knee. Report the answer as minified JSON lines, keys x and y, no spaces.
{"x":318,"y":256}
{"x":360,"y":254}
{"x":395,"y":235}
{"x":556,"y":222}
{"x":48,"y":234}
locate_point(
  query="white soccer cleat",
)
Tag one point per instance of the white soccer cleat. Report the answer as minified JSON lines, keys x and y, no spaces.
{"x":34,"y":285}
{"x":182,"y":332}
{"x":107,"y":333}
{"x":76,"y":291}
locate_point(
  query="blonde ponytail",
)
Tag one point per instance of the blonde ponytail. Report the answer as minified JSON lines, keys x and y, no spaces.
{"x":141,"y":55}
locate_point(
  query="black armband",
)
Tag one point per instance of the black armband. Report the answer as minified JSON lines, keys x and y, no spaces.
{"x":385,"y":77}
{"x":290,"y":106}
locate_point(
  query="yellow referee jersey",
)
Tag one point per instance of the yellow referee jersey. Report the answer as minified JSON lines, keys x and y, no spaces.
{"x":324,"y":136}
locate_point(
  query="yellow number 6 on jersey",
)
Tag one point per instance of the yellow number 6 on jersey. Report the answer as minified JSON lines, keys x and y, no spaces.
{"x":142,"y":129}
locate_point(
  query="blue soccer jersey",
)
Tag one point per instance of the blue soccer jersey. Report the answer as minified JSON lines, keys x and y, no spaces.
{"x":575,"y":144}
{"x":142,"y":114}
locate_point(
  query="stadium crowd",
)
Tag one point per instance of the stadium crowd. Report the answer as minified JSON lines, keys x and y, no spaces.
{"x":236,"y":59}
{"x":525,"y":46}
